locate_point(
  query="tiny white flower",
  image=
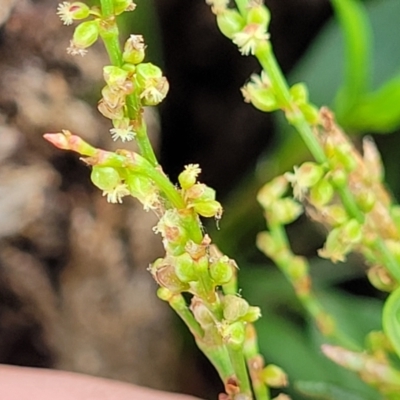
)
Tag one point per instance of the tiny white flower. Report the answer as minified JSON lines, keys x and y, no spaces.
{"x":125,"y":134}
{"x":64,"y":12}
{"x":249,"y":37}
{"x":218,"y":6}
{"x":115,"y":195}
{"x":74,"y":50}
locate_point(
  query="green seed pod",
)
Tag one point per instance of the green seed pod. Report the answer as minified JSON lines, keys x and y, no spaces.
{"x":184,"y":268}
{"x":299,"y":93}
{"x":115,"y":77}
{"x":145,"y":72}
{"x":335,"y":215}
{"x":308,"y":174}
{"x":221,"y":270}
{"x":252,"y":315}
{"x":234,"y":335}
{"x":284,"y":211}
{"x":208,"y":209}
{"x":79,"y":10}
{"x":274,"y":376}
{"x":339,"y":178}
{"x":321,"y":193}
{"x":234,"y":307}
{"x":272,"y":191}
{"x":85,"y":34}
{"x":366,"y":200}
{"x":230,"y":22}
{"x":166,"y":277}
{"x":105,"y":178}
{"x":260,"y":15}
{"x":262,"y":98}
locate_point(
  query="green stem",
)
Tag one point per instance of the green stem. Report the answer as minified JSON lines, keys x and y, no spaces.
{"x":239,"y":365}
{"x":252,"y":353}
{"x":178,"y":304}
{"x":242,"y":6}
{"x":107,"y":8}
{"x":219,"y":358}
{"x":387,"y":258}
{"x":142,"y":139}
{"x":268,"y":61}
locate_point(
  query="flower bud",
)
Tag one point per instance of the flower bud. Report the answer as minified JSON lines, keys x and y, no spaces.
{"x":230,"y":22}
{"x":267,"y":244}
{"x":272,"y":191}
{"x":381,"y":279}
{"x":339,"y":178}
{"x":115,"y":77}
{"x":208,"y":209}
{"x":335,"y":248}
{"x":234,"y":307}
{"x":134,"y":49}
{"x":259,"y":14}
{"x":144,"y":190}
{"x":222,"y":270}
{"x":200,"y":192}
{"x":366,"y":200}
{"x":321,"y":193}
{"x":334,"y":215}
{"x":105,"y":178}
{"x":165,"y":276}
{"x":201,"y":313}
{"x":146,"y":72}
{"x":299,"y":93}
{"x":352,"y":231}
{"x":234,"y":334}
{"x":121,"y":6}
{"x":252,"y":315}
{"x":188,"y":177}
{"x":274,"y":376}
{"x":263,"y":99}
{"x":284,"y":211}
{"x":164,"y":294}
{"x":184,"y":268}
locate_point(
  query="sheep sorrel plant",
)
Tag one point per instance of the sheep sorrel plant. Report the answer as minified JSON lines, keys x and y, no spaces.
{"x":342,"y":189}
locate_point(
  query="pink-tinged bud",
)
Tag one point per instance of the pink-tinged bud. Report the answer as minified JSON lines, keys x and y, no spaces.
{"x":68,"y":12}
{"x":67,"y":141}
{"x":165,"y":276}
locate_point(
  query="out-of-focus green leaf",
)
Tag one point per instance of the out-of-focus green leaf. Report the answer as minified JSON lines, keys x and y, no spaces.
{"x":322,"y":67}
{"x":327,"y":391}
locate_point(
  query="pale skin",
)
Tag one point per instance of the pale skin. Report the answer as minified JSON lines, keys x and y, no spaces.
{"x":21,"y":383}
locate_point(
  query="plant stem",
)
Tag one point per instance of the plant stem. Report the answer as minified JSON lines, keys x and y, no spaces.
{"x":142,"y":139}
{"x":239,"y":365}
{"x":107,"y":8}
{"x":242,"y":6}
{"x":268,"y":61}
{"x":178,"y":304}
{"x":252,"y":353}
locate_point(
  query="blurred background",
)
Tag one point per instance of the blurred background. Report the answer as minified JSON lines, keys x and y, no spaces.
{"x":74,"y":290}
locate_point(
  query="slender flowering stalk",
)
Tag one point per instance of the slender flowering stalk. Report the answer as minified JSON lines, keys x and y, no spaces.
{"x":215,"y":314}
